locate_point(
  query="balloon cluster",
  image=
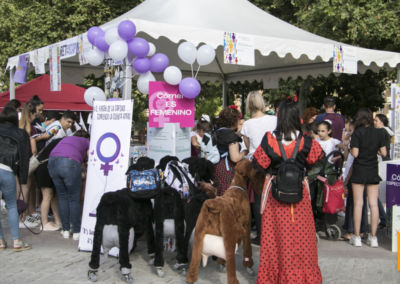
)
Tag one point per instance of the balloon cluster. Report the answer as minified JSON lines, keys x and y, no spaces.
{"x":187,"y":52}
{"x":120,"y":42}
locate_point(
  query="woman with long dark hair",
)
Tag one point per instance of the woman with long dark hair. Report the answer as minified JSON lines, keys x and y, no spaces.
{"x":14,"y":160}
{"x":288,"y":252}
{"x":366,"y":143}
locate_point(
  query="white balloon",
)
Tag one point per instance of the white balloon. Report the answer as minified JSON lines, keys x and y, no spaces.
{"x":112,"y":35}
{"x":187,"y":52}
{"x":172,"y":75}
{"x":205,"y":55}
{"x":118,"y":50}
{"x":94,"y":94}
{"x":95,"y":56}
{"x":143,"y":82}
{"x":152,"y":49}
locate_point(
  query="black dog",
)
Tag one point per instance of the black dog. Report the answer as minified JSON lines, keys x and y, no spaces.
{"x":123,"y":209}
{"x":172,"y":206}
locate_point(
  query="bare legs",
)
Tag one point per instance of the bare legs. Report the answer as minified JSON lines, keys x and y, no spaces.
{"x":372,"y":192}
{"x":48,"y":199}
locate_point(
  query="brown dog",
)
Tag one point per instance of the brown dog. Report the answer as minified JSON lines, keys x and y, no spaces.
{"x":228,"y":216}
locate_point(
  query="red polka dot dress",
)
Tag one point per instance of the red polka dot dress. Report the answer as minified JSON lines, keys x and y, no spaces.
{"x":288,"y":252}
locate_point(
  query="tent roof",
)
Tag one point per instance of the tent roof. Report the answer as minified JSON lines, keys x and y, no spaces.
{"x":70,"y":97}
{"x":282,"y":50}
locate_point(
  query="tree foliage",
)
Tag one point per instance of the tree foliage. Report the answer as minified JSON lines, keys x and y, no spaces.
{"x":26,"y":25}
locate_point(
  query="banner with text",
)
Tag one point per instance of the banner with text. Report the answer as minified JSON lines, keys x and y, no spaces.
{"x":108,"y":159}
{"x":167,"y":105}
{"x":396,"y":120}
{"x":392,"y":185}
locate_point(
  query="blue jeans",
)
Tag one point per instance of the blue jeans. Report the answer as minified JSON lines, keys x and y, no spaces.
{"x":67,"y":179}
{"x":8,"y":187}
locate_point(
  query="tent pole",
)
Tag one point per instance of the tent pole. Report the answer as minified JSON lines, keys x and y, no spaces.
{"x":127,"y":92}
{"x":224,"y":94}
{"x":12,"y":84}
{"x":398,"y":76}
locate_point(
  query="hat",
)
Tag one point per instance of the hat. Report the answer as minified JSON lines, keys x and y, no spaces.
{"x":205,"y":117}
{"x":329,"y":100}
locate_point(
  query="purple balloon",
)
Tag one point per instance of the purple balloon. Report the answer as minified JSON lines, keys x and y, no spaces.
{"x":100,"y":43}
{"x":126,"y":30}
{"x":93,"y":33}
{"x":159,"y":62}
{"x":138,"y":47}
{"x":141,"y":65}
{"x":189,"y":88}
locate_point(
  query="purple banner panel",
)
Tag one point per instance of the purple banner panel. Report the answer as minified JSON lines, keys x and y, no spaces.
{"x":392,"y":185}
{"x":20,"y":73}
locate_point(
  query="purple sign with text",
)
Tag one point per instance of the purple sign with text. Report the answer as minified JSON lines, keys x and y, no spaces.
{"x":167,"y":105}
{"x":392,"y":185}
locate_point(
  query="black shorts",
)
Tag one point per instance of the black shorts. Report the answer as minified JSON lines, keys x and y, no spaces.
{"x":42,"y":175}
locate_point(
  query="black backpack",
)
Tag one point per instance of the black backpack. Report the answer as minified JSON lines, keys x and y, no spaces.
{"x":288,"y":185}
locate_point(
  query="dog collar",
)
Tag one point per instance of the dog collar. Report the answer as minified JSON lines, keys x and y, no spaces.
{"x":236,"y":186}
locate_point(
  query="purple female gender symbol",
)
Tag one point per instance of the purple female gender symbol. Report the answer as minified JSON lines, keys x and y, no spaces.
{"x":106,"y":167}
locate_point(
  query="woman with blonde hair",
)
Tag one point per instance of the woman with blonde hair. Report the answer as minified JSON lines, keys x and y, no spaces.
{"x":253,"y":130}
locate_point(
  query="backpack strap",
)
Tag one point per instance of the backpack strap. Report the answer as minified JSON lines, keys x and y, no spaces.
{"x":296,"y":148}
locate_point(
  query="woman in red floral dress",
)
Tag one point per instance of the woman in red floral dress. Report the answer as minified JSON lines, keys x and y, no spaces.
{"x":288,"y":252}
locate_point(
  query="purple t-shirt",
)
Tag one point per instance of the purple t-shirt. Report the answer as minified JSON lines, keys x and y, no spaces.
{"x":337,"y":123}
{"x":72,"y":147}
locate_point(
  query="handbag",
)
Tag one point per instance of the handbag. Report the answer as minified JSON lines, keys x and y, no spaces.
{"x":34,"y":162}
{"x":333,"y":196}
{"x":21,"y":204}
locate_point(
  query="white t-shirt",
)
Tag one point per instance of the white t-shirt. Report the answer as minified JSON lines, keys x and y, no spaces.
{"x":255,"y":129}
{"x":328,"y":146}
{"x":60,"y":134}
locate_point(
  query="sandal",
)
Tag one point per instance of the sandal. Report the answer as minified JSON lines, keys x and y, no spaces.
{"x":20,"y":246}
{"x":3,"y":244}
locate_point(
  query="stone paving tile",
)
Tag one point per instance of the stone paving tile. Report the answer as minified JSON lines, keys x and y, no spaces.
{"x":54,"y":260}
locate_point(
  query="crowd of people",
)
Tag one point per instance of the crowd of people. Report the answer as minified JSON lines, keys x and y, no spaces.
{"x":285,"y":232}
{"x":59,"y":146}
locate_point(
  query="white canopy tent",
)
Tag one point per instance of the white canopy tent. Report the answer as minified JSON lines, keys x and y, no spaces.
{"x":281,"y":49}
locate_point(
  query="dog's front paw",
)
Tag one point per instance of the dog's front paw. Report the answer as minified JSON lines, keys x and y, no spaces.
{"x":160,"y":271}
{"x":92,"y":275}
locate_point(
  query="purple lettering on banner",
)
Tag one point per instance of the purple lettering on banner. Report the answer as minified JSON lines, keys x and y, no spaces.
{"x":167,"y":105}
{"x":392,"y":185}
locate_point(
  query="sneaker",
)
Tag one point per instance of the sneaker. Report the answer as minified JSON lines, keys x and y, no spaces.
{"x":28,"y":224}
{"x":51,"y":227}
{"x":65,"y":234}
{"x":355,"y":241}
{"x":372,"y":241}
{"x":75,"y":236}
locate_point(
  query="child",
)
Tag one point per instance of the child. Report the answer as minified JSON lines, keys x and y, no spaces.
{"x":327,"y":143}
{"x":202,"y":142}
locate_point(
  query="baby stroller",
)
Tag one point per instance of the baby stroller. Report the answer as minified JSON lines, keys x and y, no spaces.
{"x":322,"y":177}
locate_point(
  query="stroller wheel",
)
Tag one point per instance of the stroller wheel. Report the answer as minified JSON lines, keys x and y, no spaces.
{"x":333,"y":232}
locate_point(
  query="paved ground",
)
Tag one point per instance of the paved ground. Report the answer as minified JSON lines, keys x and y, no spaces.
{"x":54,"y":260}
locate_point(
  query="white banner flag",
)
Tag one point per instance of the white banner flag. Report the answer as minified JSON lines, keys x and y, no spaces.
{"x":108,"y":159}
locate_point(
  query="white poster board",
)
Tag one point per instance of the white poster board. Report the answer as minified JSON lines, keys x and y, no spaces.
{"x":396,"y":120}
{"x":108,"y":159}
{"x":239,"y":49}
{"x":344,"y":59}
{"x":395,"y":226}
{"x":168,"y":140}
